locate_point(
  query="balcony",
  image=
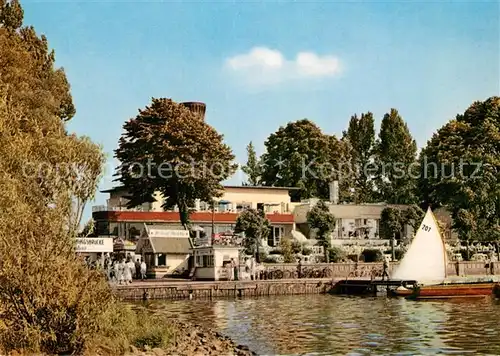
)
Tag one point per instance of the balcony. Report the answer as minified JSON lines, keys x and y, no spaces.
{"x":97,"y":208}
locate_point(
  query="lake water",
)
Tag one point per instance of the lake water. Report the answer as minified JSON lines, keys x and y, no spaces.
{"x":334,"y":325}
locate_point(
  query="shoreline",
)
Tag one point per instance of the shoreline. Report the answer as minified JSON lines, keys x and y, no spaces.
{"x":193,"y":340}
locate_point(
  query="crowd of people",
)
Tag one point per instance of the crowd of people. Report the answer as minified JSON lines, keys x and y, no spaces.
{"x":120,"y":269}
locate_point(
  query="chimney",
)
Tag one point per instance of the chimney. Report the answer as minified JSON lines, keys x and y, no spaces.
{"x":334,"y":191}
{"x":196,"y":107}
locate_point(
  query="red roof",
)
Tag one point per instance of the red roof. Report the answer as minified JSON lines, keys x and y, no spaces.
{"x":172,"y":216}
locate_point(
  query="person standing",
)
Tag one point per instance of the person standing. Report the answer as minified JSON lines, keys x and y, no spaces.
{"x":129,"y":270}
{"x":385,"y":272}
{"x":137,"y":271}
{"x":143,"y":269}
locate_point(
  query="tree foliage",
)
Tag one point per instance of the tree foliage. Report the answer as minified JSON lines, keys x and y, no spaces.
{"x":394,"y":219}
{"x":287,"y":250}
{"x":460,"y":170}
{"x":253,"y":167}
{"x":396,"y":158}
{"x":391,"y":222}
{"x":50,"y":302}
{"x":255,"y":225}
{"x":301,"y":155}
{"x":361,"y":137}
{"x":181,"y":156}
{"x":27,"y":73}
{"x":320,"y":219}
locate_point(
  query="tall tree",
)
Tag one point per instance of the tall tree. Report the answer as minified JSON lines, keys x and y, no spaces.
{"x":301,"y":155}
{"x":27,"y":68}
{"x":169,"y":149}
{"x":361,"y":136}
{"x":253,"y":168}
{"x":459,"y":170}
{"x":396,"y":158}
{"x":320,"y":219}
{"x":391,"y":224}
{"x":46,"y":177}
{"x":255,"y":225}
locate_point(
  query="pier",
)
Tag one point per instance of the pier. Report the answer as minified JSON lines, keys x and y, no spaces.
{"x":177,"y":290}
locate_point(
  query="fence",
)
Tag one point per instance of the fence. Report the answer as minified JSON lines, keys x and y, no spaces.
{"x":364,"y":269}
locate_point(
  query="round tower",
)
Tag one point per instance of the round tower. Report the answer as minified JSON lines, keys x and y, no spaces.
{"x":196,"y":107}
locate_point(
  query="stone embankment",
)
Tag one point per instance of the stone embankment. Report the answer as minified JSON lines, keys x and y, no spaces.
{"x":195,"y":340}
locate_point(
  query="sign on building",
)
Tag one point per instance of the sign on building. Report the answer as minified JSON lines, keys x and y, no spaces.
{"x":92,"y":244}
{"x":168,"y":233}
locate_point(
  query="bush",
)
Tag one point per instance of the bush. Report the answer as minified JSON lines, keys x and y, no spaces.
{"x":372,"y":255}
{"x":125,"y":327}
{"x":306,"y":251}
{"x":296,"y":246}
{"x":337,"y":254}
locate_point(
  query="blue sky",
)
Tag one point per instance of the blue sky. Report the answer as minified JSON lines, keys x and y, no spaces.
{"x":258,"y":65}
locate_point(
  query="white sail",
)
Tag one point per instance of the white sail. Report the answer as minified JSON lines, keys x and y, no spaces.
{"x":425,"y":261}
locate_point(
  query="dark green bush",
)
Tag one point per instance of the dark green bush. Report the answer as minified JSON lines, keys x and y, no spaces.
{"x":372,"y":255}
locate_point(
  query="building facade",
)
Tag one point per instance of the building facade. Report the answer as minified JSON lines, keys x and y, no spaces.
{"x":115,"y":219}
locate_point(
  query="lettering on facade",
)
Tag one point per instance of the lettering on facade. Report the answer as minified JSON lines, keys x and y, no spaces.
{"x":168,"y":233}
{"x":94,"y":245}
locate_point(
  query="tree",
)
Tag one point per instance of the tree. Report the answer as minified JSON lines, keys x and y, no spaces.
{"x":253,"y":168}
{"x":88,"y":228}
{"x":412,"y":216}
{"x":459,"y":170}
{"x":301,"y":155}
{"x":391,"y":223}
{"x":185,"y":158}
{"x":396,"y":155}
{"x":361,"y":137}
{"x":27,"y":68}
{"x":256,"y":226}
{"x":320,"y":219}
{"x":50,"y":302}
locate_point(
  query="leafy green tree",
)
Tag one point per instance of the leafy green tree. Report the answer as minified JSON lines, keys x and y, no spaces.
{"x":459,"y":170}
{"x":320,"y":219}
{"x":361,"y":137}
{"x":412,"y":216}
{"x":169,"y":149}
{"x":50,"y":302}
{"x":27,"y":70}
{"x":396,"y":157}
{"x":256,"y":226}
{"x":391,"y":224}
{"x":301,"y":155}
{"x":253,"y":168}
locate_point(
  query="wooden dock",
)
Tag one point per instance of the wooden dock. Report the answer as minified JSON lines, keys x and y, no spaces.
{"x":176,"y":290}
{"x":367,"y":286}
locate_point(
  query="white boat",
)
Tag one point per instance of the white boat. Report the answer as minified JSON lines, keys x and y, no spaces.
{"x":426,"y":262}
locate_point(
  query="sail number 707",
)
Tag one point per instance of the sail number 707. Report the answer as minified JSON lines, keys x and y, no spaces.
{"x":426,"y":228}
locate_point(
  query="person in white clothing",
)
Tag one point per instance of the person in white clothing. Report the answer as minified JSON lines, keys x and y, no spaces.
{"x":143,"y":270}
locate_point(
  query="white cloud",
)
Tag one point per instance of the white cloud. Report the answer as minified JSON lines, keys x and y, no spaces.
{"x":263,"y":65}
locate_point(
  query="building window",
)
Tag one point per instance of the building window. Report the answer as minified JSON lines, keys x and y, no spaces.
{"x":208,"y":261}
{"x":162,"y":259}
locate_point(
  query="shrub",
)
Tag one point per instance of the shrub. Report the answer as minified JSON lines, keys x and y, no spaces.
{"x":286,"y":249}
{"x":337,"y":254}
{"x":306,"y":251}
{"x":372,"y":255}
{"x":296,"y":246}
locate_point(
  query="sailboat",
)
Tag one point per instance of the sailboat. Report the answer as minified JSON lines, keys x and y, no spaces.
{"x":426,"y":262}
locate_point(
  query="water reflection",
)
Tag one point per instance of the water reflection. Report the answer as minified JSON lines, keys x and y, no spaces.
{"x":325,"y":325}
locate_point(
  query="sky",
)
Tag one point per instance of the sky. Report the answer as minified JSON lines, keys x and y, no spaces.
{"x":259,"y":65}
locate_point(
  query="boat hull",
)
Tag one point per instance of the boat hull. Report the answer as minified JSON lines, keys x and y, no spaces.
{"x":445,"y":291}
